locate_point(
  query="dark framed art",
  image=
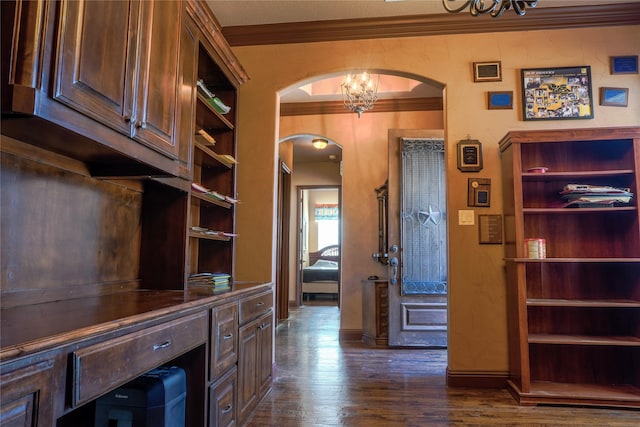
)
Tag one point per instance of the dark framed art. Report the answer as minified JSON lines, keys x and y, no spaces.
{"x":624,"y":64}
{"x":487,"y":71}
{"x":557,"y":93}
{"x":469,"y":155}
{"x":500,"y":100}
{"x":614,"y":96}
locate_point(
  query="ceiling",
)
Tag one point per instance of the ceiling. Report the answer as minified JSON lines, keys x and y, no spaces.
{"x":258,"y":12}
{"x":242,"y":15}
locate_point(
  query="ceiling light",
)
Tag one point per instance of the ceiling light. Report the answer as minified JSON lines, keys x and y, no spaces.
{"x":359,"y":92}
{"x":492,"y":7}
{"x":319,"y":143}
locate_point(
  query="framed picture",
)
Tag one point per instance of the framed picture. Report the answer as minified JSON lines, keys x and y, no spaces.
{"x":487,"y":71}
{"x":557,"y":93}
{"x":500,"y":100}
{"x":614,"y":96}
{"x":624,"y":64}
{"x":469,"y":155}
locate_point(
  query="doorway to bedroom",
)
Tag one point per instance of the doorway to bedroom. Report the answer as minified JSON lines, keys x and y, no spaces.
{"x":318,"y":248}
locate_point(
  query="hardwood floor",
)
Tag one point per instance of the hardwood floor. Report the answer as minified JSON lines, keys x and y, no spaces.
{"x":318,"y":382}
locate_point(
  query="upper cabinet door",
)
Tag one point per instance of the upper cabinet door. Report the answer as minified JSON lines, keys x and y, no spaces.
{"x":95,"y":70}
{"x":157,"y":85}
{"x":118,"y":63}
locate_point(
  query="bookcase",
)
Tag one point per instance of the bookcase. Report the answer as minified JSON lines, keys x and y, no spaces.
{"x":213,"y":196}
{"x":574,"y":316}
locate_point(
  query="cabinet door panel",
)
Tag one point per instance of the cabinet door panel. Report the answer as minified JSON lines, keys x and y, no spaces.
{"x":158,"y":81}
{"x":93,"y":72}
{"x":26,"y":396}
{"x":265,"y":346}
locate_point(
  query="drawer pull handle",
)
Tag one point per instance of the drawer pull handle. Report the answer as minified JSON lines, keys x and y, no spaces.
{"x":226,"y":337}
{"x":227,"y":409}
{"x":260,"y":304}
{"x":163,"y":345}
{"x":262,"y":326}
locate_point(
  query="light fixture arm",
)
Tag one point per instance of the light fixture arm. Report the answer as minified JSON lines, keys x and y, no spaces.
{"x":492,"y":7}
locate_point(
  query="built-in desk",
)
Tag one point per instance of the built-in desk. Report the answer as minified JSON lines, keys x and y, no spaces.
{"x":57,"y":357}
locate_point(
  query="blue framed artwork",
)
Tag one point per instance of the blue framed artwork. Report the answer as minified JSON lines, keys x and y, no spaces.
{"x":614,"y":96}
{"x":500,"y":100}
{"x":624,"y":64}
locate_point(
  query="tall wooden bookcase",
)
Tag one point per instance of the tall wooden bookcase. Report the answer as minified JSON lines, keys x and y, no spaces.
{"x":211,"y":235}
{"x":574,"y":316}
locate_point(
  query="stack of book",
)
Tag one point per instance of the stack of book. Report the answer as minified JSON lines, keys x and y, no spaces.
{"x":589,"y":196}
{"x":221,"y":281}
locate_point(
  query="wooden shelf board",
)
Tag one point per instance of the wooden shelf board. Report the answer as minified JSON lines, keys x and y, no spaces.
{"x":222,"y":122}
{"x":211,"y":201}
{"x":625,"y":395}
{"x":622,"y":303}
{"x":576,"y":260}
{"x":197,"y":235}
{"x":553,"y":176}
{"x":212,"y":154}
{"x":584,"y":340}
{"x":565,"y":211}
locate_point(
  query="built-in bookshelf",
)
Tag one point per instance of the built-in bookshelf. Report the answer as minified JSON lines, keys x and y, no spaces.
{"x":211,"y":233}
{"x":574,"y":314}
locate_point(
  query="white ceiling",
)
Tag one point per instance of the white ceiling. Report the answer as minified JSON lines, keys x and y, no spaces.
{"x":257,"y":12}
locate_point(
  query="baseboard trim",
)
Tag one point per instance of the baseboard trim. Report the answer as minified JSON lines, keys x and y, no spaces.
{"x":477,"y":379}
{"x":350,"y":335}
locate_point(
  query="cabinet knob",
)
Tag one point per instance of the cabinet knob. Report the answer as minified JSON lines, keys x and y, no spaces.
{"x":141,"y":125}
{"x":227,"y":408}
{"x":128,"y":119}
{"x":226,"y":337}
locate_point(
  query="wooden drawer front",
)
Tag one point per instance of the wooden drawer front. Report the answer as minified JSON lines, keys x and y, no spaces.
{"x":253,"y":307}
{"x":224,"y":339}
{"x":101,"y":367}
{"x":222,"y":401}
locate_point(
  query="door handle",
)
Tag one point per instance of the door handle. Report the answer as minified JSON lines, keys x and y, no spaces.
{"x":393,"y":262}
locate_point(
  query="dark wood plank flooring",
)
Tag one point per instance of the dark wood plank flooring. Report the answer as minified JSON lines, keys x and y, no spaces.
{"x":320,"y":382}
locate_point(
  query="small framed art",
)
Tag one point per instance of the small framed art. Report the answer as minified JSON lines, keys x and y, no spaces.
{"x":469,"y":155}
{"x":614,"y":96}
{"x":500,"y":100}
{"x":487,"y":71}
{"x":557,"y":93}
{"x":624,"y":64}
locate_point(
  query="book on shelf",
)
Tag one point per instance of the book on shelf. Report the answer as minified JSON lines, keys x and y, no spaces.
{"x":228,"y":158}
{"x":203,"y":137}
{"x":204,"y":90}
{"x":199,"y":188}
{"x":218,"y":105}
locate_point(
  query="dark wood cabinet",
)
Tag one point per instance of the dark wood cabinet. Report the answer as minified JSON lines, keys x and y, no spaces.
{"x":375,"y":312}
{"x":254,"y":353}
{"x":99,"y":113}
{"x":26,"y":396}
{"x":573,"y":315}
{"x":128,"y":80}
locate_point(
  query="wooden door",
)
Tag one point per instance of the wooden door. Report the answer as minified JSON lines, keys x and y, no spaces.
{"x":157,"y":82}
{"x":95,"y":67}
{"x":417,"y":243}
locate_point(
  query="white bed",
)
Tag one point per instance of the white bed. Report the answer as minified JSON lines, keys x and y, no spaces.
{"x":323,"y":274}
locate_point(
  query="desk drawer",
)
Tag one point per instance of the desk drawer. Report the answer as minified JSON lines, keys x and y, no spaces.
{"x":101,"y":367}
{"x":252,"y":307}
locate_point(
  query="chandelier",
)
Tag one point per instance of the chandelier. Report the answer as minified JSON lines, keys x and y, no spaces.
{"x":359,"y":92}
{"x":492,"y":7}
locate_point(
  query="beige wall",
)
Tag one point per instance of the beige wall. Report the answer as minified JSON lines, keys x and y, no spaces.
{"x":477,"y":329}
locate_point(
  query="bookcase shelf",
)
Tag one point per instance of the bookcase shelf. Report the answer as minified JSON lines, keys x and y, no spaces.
{"x":573,"y":316}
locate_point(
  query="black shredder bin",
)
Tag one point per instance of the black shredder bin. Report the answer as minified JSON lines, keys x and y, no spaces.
{"x":155,"y":399}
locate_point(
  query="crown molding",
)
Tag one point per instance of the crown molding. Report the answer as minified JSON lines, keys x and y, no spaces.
{"x":430,"y":25}
{"x":381,"y":106}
